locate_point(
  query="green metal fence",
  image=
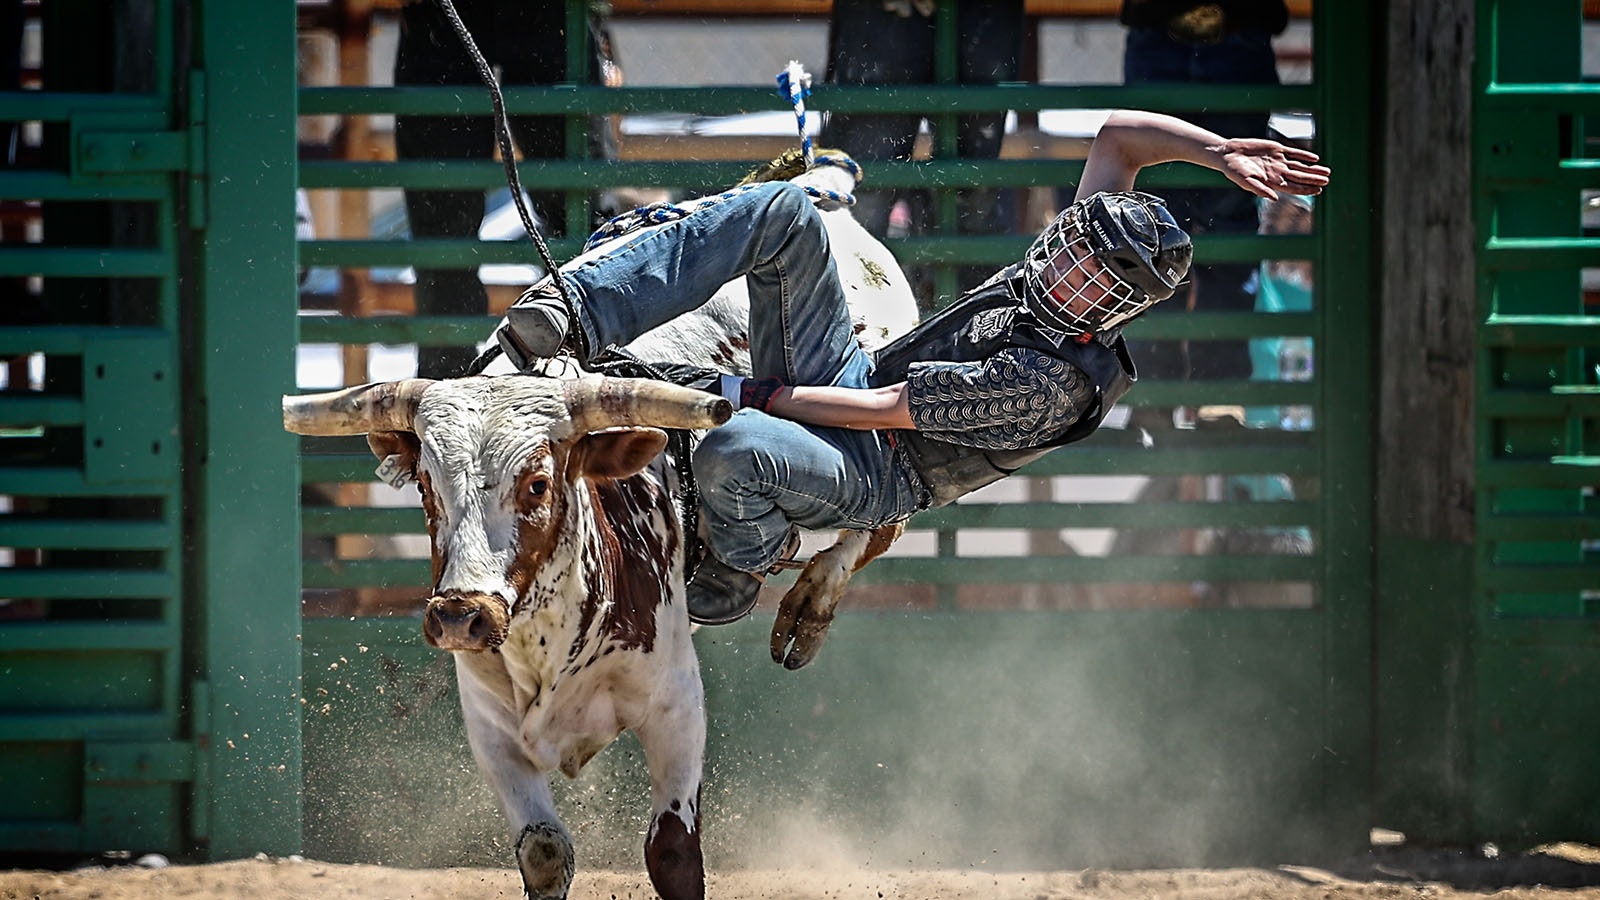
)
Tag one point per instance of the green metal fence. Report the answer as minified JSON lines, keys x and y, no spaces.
{"x":92,"y":715}
{"x":1295,"y":454}
{"x":1536,"y":602}
{"x":131,"y":716}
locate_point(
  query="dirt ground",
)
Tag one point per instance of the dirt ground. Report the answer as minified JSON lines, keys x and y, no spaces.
{"x":1559,"y":871}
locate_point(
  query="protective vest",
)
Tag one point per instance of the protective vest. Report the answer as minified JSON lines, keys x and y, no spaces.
{"x":972,"y":329}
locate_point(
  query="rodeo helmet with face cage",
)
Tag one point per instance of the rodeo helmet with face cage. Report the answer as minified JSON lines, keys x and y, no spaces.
{"x":1139,"y":256}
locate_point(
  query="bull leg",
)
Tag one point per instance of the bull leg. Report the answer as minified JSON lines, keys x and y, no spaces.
{"x":674,"y":741}
{"x":807,"y":609}
{"x":543,"y":847}
{"x":545,"y":858}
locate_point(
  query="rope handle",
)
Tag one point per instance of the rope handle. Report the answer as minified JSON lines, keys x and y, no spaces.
{"x":794,"y":85}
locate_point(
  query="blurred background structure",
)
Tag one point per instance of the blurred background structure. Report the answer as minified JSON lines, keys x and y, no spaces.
{"x":1351,"y":579}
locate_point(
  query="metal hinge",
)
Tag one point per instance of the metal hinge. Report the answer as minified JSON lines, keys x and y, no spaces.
{"x":110,"y":143}
{"x":115,"y":761}
{"x":131,"y":152}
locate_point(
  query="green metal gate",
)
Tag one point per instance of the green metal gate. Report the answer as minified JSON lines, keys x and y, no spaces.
{"x":137,"y":466}
{"x":1536,"y":605}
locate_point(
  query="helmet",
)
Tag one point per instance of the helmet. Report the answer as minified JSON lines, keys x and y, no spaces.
{"x":1104,"y":261}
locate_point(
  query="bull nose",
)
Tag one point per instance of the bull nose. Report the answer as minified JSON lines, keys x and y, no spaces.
{"x":466,"y":624}
{"x":459,"y":623}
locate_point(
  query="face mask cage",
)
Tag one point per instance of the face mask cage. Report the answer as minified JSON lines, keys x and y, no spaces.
{"x":1069,"y":289}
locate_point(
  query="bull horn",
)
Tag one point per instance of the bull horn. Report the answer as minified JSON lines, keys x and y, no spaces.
{"x":385,"y":406}
{"x":596,"y":403}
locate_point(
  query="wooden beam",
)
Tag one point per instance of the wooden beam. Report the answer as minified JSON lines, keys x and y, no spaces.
{"x":741,"y":8}
{"x":1101,"y":9}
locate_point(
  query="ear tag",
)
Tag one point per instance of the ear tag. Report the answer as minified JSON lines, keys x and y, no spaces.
{"x":391,"y":472}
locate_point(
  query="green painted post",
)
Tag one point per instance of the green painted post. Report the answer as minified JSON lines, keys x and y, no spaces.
{"x":1531,"y":777}
{"x":245,"y":511}
{"x":1344,"y":53}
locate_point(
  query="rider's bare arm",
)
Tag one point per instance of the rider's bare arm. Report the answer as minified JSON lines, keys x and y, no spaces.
{"x":1130,"y":140}
{"x":843,"y":407}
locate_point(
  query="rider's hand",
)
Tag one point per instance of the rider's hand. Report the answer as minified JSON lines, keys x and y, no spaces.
{"x":1265,"y":167}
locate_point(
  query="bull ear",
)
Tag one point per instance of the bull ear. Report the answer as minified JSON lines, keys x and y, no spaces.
{"x":617,"y":452}
{"x":403,"y":444}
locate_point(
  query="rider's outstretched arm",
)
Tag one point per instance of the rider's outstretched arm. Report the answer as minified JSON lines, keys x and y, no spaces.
{"x":1130,"y":140}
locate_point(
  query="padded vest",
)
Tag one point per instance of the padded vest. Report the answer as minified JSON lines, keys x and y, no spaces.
{"x":972,"y":329}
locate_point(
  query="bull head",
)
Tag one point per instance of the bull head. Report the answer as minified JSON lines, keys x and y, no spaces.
{"x":494,"y":458}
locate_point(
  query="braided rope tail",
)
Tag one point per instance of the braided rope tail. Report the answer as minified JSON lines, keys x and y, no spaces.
{"x":508,"y":156}
{"x":794,"y":84}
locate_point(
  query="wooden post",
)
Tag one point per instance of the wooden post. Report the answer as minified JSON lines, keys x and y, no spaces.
{"x":1425,"y":454}
{"x":1424,"y":466}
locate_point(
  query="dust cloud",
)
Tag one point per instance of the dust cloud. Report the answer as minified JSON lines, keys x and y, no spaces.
{"x":997,"y":741}
{"x":1012,"y":741}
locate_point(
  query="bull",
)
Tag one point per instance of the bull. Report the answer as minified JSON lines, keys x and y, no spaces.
{"x":558,"y":561}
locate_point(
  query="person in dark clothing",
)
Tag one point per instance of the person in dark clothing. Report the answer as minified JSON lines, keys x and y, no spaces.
{"x":1189,"y":42}
{"x":431,"y":54}
{"x":893,"y":42}
{"x":828,"y":436}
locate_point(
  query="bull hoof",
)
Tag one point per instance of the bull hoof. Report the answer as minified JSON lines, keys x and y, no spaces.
{"x":672,"y":855}
{"x":545,"y":858}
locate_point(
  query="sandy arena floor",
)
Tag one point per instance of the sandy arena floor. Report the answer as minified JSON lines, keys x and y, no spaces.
{"x":1562,"y":871}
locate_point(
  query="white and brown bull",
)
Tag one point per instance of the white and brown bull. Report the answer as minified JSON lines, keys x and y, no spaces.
{"x":558,"y":584}
{"x":558,"y":563}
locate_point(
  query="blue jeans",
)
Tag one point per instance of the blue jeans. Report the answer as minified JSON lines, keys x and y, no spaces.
{"x":757,"y":474}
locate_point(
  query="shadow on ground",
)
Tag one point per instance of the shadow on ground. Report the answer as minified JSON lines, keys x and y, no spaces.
{"x":1557,"y":866}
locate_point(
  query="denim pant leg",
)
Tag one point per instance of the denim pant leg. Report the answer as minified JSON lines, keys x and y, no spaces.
{"x":800,"y":328}
{"x":758,"y":474}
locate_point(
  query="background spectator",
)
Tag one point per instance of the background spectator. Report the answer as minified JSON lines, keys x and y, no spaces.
{"x":526,"y":41}
{"x":890,"y":42}
{"x":1188,"y":42}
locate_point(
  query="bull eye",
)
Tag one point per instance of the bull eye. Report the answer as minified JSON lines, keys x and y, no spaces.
{"x":538,"y":486}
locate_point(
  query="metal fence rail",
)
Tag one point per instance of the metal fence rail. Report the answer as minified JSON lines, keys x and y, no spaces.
{"x":92,"y":717}
{"x":1177,"y":454}
{"x":1537,"y":588}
